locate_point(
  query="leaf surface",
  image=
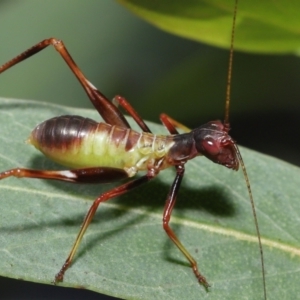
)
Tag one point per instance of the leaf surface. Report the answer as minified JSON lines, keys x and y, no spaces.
{"x":125,"y":252}
{"x":262,"y":26}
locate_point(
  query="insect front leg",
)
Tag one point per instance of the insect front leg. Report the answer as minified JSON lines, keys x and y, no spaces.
{"x":171,"y":124}
{"x":109,"y":112}
{"x":170,"y":203}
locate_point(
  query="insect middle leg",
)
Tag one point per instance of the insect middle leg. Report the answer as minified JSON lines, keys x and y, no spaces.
{"x":119,"y":100}
{"x":170,"y":123}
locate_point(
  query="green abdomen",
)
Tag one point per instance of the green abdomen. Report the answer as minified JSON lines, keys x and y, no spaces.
{"x":79,"y":142}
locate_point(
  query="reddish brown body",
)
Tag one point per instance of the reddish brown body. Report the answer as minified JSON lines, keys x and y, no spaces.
{"x":79,"y":142}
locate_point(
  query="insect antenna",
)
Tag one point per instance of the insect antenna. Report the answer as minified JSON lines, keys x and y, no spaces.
{"x":229,"y":74}
{"x":255,"y":219}
{"x":227,"y":128}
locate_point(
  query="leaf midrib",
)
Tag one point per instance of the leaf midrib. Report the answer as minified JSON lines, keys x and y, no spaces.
{"x":229,"y":232}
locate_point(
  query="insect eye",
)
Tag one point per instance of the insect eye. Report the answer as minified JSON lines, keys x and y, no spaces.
{"x":210,"y":146}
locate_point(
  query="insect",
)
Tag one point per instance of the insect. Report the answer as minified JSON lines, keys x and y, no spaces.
{"x":116,"y":152}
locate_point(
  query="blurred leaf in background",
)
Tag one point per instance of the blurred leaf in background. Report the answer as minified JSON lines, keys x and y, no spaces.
{"x":208,"y":22}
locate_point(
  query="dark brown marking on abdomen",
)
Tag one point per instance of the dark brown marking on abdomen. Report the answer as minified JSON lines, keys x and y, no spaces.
{"x":63,"y":132}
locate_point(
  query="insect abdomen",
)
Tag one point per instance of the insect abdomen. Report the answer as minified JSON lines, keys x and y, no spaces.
{"x":65,"y":133}
{"x":80,"y":142}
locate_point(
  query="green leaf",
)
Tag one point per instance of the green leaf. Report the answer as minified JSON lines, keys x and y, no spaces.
{"x":262,"y":26}
{"x":125,"y":252}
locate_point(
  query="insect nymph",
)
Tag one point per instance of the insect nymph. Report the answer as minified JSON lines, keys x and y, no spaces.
{"x":111,"y":151}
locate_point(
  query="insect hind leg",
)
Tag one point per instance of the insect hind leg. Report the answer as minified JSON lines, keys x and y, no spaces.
{"x":85,"y":175}
{"x":109,"y":112}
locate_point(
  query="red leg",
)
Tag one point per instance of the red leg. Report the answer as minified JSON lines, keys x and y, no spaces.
{"x":87,"y":175}
{"x":109,"y":112}
{"x":171,"y":124}
{"x":87,"y":220}
{"x":171,"y":199}
{"x":119,"y":100}
{"x":168,"y":124}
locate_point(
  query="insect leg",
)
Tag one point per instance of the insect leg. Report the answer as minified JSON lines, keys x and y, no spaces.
{"x":119,"y":100}
{"x":87,"y":175}
{"x":171,"y":199}
{"x":87,"y":220}
{"x":168,"y":123}
{"x":171,"y":123}
{"x":109,"y":112}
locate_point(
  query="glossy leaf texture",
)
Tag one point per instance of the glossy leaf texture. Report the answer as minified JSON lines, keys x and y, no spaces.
{"x":125,"y":252}
{"x":262,"y":26}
